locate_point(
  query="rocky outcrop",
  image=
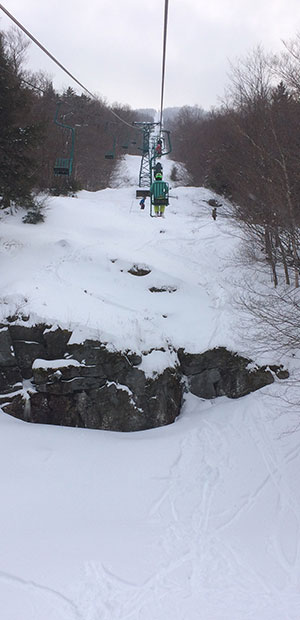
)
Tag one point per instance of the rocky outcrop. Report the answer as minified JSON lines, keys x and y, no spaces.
{"x":139,"y":270}
{"x":84,"y":385}
{"x":108,"y":391}
{"x":219,"y":372}
{"x":110,"y":405}
{"x":45,"y":379}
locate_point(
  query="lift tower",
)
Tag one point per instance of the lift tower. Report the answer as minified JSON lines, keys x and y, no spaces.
{"x":145,"y":179}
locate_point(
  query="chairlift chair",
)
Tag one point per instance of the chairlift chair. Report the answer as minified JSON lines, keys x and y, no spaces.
{"x":63,"y":165}
{"x":162,"y":195}
{"x":111,"y":154}
{"x":125,"y":144}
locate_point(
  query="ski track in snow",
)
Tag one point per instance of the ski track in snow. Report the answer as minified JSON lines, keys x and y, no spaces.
{"x":288,"y":509}
{"x":293,"y":454}
{"x":195,"y":551}
{"x":61,"y":604}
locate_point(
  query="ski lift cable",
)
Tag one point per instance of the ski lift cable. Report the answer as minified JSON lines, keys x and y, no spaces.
{"x":163,"y":62}
{"x":34,"y":86}
{"x":57,"y":62}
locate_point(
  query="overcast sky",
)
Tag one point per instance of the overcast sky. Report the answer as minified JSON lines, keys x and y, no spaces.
{"x":115,"y":46}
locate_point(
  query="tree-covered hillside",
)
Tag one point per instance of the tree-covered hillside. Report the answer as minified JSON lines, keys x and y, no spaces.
{"x":248,"y":151}
{"x":30,"y":141}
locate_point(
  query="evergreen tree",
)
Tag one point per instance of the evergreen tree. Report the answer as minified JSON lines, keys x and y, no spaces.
{"x":17,"y":135}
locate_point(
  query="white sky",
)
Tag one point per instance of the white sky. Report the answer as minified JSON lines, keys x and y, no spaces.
{"x":115,"y":46}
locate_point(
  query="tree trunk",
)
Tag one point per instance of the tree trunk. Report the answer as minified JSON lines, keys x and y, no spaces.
{"x":270,"y":256}
{"x":283,"y":256}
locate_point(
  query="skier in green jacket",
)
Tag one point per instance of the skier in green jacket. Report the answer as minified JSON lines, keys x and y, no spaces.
{"x":159,"y":194}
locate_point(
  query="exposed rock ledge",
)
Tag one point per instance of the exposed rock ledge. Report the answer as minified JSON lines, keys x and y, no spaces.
{"x":45,"y":379}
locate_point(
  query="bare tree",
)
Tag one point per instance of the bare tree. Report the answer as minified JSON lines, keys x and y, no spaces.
{"x":286,"y":65}
{"x":16,"y":46}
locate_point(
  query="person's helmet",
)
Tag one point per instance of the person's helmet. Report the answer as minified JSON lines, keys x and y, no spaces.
{"x":158,"y":176}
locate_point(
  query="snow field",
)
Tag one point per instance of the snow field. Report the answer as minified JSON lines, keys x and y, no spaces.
{"x":200,"y":519}
{"x":73,"y":270}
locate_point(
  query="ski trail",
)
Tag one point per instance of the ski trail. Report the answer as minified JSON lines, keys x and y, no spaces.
{"x":67,"y":605}
{"x":192,"y":546}
{"x":293,"y":454}
{"x":107,"y":595}
{"x":112,"y":596}
{"x":196,"y":558}
{"x":283,"y":546}
{"x":280,"y":547}
{"x":246,"y":505}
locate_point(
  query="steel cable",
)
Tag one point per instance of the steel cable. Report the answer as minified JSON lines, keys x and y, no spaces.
{"x":57,"y":62}
{"x":163,"y":62}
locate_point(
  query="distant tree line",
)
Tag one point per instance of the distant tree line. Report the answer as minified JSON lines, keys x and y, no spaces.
{"x":248,"y":150}
{"x":30,"y":141}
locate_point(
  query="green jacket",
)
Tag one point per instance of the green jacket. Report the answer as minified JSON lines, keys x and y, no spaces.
{"x":159,"y":189}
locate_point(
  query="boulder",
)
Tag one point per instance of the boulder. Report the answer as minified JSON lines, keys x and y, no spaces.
{"x":139,"y":270}
{"x":79,"y":395}
{"x":280,"y":371}
{"x":219,"y":372}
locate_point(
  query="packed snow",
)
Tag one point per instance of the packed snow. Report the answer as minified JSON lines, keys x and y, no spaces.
{"x":198,"y":520}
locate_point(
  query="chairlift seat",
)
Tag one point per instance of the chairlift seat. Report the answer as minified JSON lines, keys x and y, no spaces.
{"x":140,"y":193}
{"x":161,"y":201}
{"x":62,"y":166}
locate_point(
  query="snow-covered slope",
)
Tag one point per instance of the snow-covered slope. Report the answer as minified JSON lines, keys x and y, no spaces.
{"x":73,"y":270}
{"x":194,"y":521}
